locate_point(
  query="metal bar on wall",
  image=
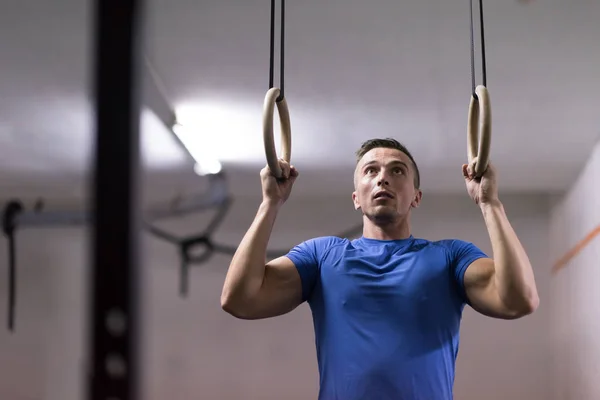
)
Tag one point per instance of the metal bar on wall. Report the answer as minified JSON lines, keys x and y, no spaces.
{"x":115,"y":312}
{"x":216,"y":195}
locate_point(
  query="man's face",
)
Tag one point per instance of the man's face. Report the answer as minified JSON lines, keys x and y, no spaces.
{"x":384,"y":185}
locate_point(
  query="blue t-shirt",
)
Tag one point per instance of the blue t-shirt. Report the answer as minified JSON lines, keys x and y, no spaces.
{"x":386,"y":314}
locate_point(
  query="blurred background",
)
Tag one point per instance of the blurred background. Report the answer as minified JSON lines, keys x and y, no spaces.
{"x":354,"y":70}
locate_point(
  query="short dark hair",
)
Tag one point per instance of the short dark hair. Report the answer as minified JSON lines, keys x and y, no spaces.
{"x":390,"y":144}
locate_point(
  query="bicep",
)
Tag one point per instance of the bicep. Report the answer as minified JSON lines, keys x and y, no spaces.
{"x":281,"y":289}
{"x":481,"y":290}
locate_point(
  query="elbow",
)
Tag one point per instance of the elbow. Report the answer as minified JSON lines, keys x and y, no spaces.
{"x":237,"y":309}
{"x":525,"y":308}
{"x":230,"y":302}
{"x":228,"y":305}
{"x":532,"y":301}
{"x":532,"y":305}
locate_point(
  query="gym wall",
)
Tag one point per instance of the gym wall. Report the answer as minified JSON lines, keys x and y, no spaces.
{"x":574,"y":288}
{"x":194,"y":350}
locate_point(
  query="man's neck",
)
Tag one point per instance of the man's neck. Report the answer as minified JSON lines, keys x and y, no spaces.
{"x":390,"y":231}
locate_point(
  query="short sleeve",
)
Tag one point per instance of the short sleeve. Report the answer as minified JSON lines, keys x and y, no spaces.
{"x":305,"y":257}
{"x":462,"y":254}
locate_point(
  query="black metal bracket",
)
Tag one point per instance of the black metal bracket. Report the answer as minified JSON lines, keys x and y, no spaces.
{"x":189,"y":245}
{"x":11,"y":211}
{"x":15,"y":216}
{"x":186,"y":247}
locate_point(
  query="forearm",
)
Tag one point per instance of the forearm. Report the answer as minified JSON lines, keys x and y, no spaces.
{"x":247,"y":268}
{"x":514,"y":276}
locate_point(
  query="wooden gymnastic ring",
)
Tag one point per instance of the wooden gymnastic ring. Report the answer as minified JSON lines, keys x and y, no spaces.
{"x":479,"y":130}
{"x":286,"y":134}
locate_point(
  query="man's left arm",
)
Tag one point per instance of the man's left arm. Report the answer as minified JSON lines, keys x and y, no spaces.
{"x":503,"y":286}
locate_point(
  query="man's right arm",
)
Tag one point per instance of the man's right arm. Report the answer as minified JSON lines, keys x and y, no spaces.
{"x":254,"y":289}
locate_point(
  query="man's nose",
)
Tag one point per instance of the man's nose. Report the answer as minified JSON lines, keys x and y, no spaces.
{"x":382,"y":180}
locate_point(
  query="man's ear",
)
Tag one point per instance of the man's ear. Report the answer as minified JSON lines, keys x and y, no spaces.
{"x":417,"y":199}
{"x":355,"y":201}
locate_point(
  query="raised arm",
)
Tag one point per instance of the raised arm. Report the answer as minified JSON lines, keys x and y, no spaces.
{"x":502,"y":287}
{"x":255,"y":289}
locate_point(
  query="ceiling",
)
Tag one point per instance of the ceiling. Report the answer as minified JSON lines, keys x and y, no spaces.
{"x":354,"y":70}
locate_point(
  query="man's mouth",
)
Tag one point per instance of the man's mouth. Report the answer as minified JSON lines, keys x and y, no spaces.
{"x":383,"y":194}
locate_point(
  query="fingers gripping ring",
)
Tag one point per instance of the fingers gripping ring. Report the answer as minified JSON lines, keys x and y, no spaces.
{"x":479,"y":130}
{"x":286,"y":134}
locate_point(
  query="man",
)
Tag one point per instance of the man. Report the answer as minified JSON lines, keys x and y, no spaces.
{"x":387,"y":306}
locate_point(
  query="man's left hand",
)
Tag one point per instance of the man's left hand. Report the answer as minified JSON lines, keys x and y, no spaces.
{"x":482,"y":190}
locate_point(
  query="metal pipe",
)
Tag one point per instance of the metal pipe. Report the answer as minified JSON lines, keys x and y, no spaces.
{"x":51,"y":218}
{"x":115,"y":279}
{"x":216,"y":196}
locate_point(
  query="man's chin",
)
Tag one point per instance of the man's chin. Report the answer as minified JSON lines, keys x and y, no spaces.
{"x":382,"y":215}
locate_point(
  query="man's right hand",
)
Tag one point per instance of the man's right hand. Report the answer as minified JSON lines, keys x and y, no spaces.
{"x":275,"y":190}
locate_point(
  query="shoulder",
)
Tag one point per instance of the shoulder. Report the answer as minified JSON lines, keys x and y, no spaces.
{"x":453,"y":245}
{"x":444,"y":246}
{"x":455,"y":250}
{"x":317,"y":247}
{"x":461,"y":253}
{"x":326,"y":241}
{"x":322,"y":243}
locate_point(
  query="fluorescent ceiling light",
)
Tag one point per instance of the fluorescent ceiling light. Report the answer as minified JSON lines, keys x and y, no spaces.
{"x":158,"y":147}
{"x":225,"y":131}
{"x":206,"y":163}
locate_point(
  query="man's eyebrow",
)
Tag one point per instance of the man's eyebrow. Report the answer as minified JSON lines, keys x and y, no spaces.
{"x":395,"y":162}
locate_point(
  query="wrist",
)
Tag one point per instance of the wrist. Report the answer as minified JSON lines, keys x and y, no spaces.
{"x":270,"y":205}
{"x":490,"y":204}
